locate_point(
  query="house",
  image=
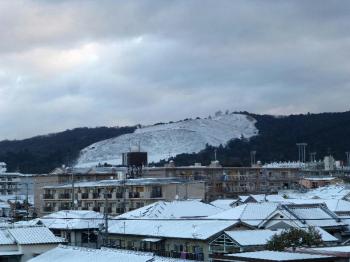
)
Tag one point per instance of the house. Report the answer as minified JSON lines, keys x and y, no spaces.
{"x":19,"y":244}
{"x":185,"y":238}
{"x":252,"y":240}
{"x":77,"y":227}
{"x":315,"y":182}
{"x":317,"y":215}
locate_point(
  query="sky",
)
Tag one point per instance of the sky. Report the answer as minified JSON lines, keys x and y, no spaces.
{"x":67,"y":64}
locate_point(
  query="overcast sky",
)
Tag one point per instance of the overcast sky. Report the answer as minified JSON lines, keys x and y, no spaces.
{"x":65,"y":64}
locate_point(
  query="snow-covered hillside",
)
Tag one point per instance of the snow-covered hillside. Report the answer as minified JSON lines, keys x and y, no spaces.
{"x":162,"y":141}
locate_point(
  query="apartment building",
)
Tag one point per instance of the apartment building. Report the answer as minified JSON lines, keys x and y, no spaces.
{"x":229,"y":182}
{"x":118,"y":196}
{"x":65,"y":175}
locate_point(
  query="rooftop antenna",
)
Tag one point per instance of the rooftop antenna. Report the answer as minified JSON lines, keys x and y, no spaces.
{"x":252,"y":158}
{"x":302,"y":152}
{"x":313,"y":157}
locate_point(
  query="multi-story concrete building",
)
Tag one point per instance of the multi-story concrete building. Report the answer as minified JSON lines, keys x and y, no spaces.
{"x":60,"y":176}
{"x":229,"y":182}
{"x":119,"y":195}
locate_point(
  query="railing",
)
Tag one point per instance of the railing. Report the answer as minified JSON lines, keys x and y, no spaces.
{"x":156,"y":195}
{"x":84,"y":195}
{"x":134,"y":195}
{"x":65,"y":196}
{"x":95,"y":195}
{"x":48,"y":196}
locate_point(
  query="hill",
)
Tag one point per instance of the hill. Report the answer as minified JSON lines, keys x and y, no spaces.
{"x":326,"y":133}
{"x":164,"y":140}
{"x":42,"y":154}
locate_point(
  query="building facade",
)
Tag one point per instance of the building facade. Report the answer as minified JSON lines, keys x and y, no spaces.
{"x":118,"y":196}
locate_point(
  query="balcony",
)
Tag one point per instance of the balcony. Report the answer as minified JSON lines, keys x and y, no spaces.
{"x":84,"y":196}
{"x":119,"y":195}
{"x":134,"y":194}
{"x":65,"y":196}
{"x":48,"y":196}
{"x":156,"y":195}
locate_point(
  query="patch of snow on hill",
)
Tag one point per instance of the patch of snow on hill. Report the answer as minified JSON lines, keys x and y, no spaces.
{"x":164,"y":140}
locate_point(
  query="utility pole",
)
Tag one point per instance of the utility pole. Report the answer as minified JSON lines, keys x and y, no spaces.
{"x":105,"y":238}
{"x":73,"y":193}
{"x":252,"y":158}
{"x":27,"y":201}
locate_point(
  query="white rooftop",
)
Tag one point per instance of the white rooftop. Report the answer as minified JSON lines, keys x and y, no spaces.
{"x":224,"y":203}
{"x":72,"y":219}
{"x":277,"y":256}
{"x":27,"y":235}
{"x":173,"y":209}
{"x":187,"y":229}
{"x":261,"y":237}
{"x":250,"y":213}
{"x":79,"y":254}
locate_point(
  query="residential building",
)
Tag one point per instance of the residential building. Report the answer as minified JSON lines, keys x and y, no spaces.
{"x":119,"y":195}
{"x":177,"y":238}
{"x":315,"y":182}
{"x":19,"y":244}
{"x":253,"y":240}
{"x":65,"y":175}
{"x":229,"y":182}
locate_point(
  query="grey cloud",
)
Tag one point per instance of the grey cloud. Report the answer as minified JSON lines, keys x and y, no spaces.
{"x":88,"y":63}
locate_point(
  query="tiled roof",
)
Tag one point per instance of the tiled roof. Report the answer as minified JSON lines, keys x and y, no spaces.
{"x":173,"y":209}
{"x":187,"y":229}
{"x":78,"y":254}
{"x":33,"y":235}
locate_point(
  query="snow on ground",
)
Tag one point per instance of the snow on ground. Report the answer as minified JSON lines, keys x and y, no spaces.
{"x":164,"y":140}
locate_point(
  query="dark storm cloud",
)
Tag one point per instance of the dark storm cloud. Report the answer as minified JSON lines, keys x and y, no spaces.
{"x":87,"y":63}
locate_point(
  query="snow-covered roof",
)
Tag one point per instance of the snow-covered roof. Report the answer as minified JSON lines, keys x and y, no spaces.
{"x":320,"y":178}
{"x":250,"y":213}
{"x":327,"y":192}
{"x":251,"y":237}
{"x":129,"y":182}
{"x":277,"y":256}
{"x":314,"y":215}
{"x":335,"y":205}
{"x":6,"y":238}
{"x":187,"y":229}
{"x":73,"y":219}
{"x":224,"y":203}
{"x":285,"y":165}
{"x":173,"y":209}
{"x":261,"y":237}
{"x":32,"y":235}
{"x":76,"y":254}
